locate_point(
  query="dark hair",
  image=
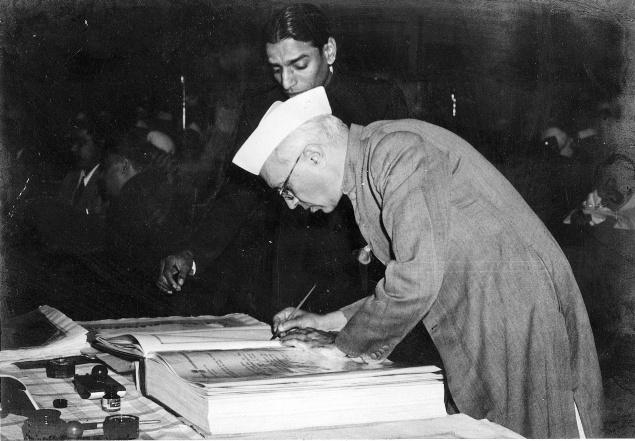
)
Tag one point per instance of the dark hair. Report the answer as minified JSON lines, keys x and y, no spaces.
{"x":135,"y":147}
{"x":301,"y":22}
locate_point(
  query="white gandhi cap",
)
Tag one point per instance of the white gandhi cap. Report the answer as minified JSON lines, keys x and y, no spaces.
{"x":281,"y":119}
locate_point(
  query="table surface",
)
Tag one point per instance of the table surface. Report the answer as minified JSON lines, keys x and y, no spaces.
{"x":44,"y":390}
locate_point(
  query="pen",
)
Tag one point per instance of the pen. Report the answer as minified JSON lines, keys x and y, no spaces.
{"x":297,"y":308}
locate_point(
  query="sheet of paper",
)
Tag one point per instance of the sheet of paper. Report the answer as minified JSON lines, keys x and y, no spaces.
{"x":113,"y":327}
{"x":60,"y":337}
{"x":191,"y":340}
{"x":274,"y":364}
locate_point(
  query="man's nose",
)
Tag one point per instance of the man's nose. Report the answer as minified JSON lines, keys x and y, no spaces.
{"x":288,"y":79}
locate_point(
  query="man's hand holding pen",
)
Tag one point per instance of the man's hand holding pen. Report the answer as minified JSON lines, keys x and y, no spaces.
{"x":286,"y":320}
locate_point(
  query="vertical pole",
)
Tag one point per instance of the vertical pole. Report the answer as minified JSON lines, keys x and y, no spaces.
{"x":183,"y":102}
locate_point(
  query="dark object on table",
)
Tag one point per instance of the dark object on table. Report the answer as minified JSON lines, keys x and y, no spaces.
{"x":60,"y":403}
{"x":14,"y":398}
{"x":60,"y":368}
{"x":94,"y":385}
{"x":35,"y":364}
{"x":47,"y":424}
{"x":44,"y":424}
{"x":111,"y":401}
{"x":121,"y":427}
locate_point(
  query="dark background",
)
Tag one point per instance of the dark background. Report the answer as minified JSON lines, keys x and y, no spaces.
{"x":513,"y":67}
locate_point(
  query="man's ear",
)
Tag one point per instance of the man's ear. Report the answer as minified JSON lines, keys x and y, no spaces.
{"x":330,"y":50}
{"x":315,"y":153}
{"x":126,"y":166}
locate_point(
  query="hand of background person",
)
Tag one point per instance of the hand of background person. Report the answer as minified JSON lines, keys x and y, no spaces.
{"x":177,"y":265}
{"x":333,"y":321}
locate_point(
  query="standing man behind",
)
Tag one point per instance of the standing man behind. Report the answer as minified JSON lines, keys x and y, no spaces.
{"x":73,"y":221}
{"x":308,"y":248}
{"x":464,"y":254}
{"x":80,"y":188}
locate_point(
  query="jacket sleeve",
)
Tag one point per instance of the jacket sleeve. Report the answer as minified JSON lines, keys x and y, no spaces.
{"x":411,"y":182}
{"x":238,"y":197}
{"x":237,"y":200}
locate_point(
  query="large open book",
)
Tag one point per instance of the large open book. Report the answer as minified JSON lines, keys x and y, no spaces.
{"x":226,"y":376}
{"x":280,"y":388}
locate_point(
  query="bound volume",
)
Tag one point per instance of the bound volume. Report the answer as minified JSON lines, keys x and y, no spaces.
{"x":239,"y":381}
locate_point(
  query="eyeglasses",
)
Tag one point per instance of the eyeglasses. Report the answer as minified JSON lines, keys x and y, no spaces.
{"x":283,"y":191}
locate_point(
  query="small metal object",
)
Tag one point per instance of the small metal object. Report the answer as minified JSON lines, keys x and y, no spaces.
{"x":60,"y":403}
{"x":60,"y":368}
{"x":74,"y":430}
{"x":121,"y":427}
{"x":99,"y":372}
{"x":111,"y":402}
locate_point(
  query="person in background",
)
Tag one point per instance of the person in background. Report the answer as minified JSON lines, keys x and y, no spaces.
{"x":464,"y":254}
{"x":73,"y":221}
{"x":611,"y":203}
{"x":144,"y":212}
{"x":80,"y":188}
{"x":302,"y":53}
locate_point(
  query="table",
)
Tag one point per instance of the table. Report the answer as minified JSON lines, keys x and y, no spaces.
{"x":450,"y":426}
{"x":44,"y":390}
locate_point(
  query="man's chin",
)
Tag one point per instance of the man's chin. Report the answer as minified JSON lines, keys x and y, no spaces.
{"x":324,"y":209}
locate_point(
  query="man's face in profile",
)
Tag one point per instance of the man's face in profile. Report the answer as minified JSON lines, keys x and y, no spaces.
{"x":84,"y":149}
{"x":297,"y":65}
{"x":113,"y":177}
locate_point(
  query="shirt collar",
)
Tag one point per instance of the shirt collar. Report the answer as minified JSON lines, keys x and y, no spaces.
{"x":352,"y":158}
{"x":89,"y":175}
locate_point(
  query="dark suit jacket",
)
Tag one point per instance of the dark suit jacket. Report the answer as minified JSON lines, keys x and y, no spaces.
{"x":305,"y":248}
{"x":68,"y":226}
{"x":91,"y":198}
{"x":141,"y":225}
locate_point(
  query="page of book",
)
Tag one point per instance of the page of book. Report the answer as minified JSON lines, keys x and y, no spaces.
{"x":273,"y":364}
{"x":180,"y":333}
{"x":113,"y":327}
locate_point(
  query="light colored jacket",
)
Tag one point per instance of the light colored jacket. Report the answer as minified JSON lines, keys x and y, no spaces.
{"x":466,"y":254}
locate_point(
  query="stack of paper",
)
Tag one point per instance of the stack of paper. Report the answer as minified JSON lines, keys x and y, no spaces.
{"x":266,"y":389}
{"x":41,"y":334}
